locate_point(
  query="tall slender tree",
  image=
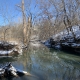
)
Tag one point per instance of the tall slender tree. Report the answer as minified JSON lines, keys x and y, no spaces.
{"x":24,"y":23}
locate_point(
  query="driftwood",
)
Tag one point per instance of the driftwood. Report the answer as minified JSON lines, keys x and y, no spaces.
{"x":10,"y":71}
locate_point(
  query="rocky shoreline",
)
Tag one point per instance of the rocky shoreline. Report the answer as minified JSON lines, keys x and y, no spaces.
{"x":10,"y":49}
{"x":66,"y":44}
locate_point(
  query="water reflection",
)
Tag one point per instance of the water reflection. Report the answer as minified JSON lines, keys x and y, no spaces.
{"x":47,"y":64}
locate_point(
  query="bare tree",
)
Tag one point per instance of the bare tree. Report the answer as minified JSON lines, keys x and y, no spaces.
{"x":24,"y":23}
{"x":7,"y":19}
{"x":22,"y":7}
{"x":67,"y":12}
{"x":69,"y":15}
{"x":27,"y":20}
{"x":46,"y":18}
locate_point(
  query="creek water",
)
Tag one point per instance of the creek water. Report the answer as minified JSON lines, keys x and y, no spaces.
{"x":45,"y":64}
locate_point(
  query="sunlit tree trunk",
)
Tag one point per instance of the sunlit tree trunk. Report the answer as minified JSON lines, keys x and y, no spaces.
{"x":24,"y":24}
{"x":29,"y":28}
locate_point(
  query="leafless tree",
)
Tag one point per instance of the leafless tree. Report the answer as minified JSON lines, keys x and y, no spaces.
{"x":7,"y":18}
{"x":46,"y":18}
{"x":67,"y":12}
{"x":27,"y":20}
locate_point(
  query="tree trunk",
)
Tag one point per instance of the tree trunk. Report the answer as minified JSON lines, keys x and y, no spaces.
{"x":29,"y":29}
{"x":5,"y":31}
{"x":24,"y":24}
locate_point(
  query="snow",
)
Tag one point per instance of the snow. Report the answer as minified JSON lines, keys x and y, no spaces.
{"x":47,"y":43}
{"x":65,"y":44}
{"x":10,"y":51}
{"x":64,"y":33}
{"x":13,"y":42}
{"x":7,"y":43}
{"x":57,"y":47}
{"x":21,"y":71}
{"x":75,"y":28}
{"x":12,"y":69}
{"x":75,"y":45}
{"x":5,"y":52}
{"x":71,"y":44}
{"x":35,"y":43}
{"x":2,"y":71}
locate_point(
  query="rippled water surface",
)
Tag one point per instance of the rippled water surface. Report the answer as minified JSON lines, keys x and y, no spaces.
{"x":45,"y":64}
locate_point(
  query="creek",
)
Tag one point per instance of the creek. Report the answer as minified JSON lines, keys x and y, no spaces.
{"x":46,"y":64}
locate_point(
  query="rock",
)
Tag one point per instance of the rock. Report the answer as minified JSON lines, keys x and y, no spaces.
{"x":8,"y":49}
{"x":6,"y":46}
{"x":10,"y":71}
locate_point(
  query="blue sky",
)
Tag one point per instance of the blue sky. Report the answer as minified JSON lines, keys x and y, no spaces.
{"x":8,"y":7}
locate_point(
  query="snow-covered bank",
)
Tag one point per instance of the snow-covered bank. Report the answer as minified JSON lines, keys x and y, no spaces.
{"x":5,"y":52}
{"x":64,"y":34}
{"x":66,"y":41}
{"x":10,"y":48}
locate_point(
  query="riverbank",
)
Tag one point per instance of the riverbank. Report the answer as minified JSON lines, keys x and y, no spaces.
{"x":45,"y":63}
{"x":10,"y":48}
{"x":65,"y":42}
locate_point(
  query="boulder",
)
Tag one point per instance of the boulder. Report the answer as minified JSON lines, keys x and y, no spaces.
{"x":10,"y":71}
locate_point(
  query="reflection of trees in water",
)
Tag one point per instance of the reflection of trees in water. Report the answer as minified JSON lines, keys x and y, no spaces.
{"x":48,"y":65}
{"x":51,"y":66}
{"x":25,"y":60}
{"x":71,"y":73}
{"x":6,"y":60}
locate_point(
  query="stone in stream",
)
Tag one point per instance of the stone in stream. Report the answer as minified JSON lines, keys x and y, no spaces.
{"x":10,"y":71}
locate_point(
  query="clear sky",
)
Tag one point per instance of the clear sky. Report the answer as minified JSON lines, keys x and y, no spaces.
{"x":9,"y":11}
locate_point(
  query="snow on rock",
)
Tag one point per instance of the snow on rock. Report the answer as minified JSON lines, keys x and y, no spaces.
{"x":64,"y":33}
{"x":47,"y":43}
{"x":9,"y":48}
{"x":66,"y":40}
{"x":5,"y":52}
{"x":57,"y":47}
{"x":11,"y":71}
{"x":65,"y":43}
{"x":13,"y":42}
{"x":75,"y":45}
